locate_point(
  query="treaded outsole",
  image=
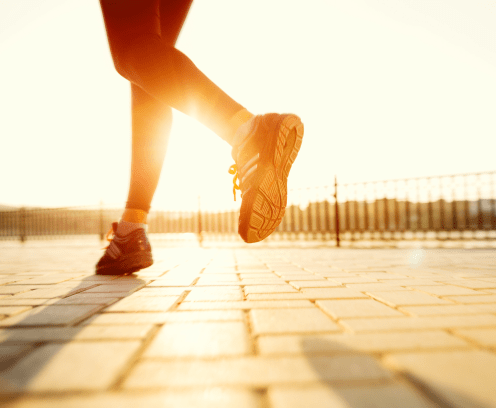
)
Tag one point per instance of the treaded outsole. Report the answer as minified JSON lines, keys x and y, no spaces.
{"x":268,"y":202}
{"x":127,"y":264}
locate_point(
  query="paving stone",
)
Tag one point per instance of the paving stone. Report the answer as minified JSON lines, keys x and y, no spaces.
{"x":454,"y":310}
{"x":288,"y":271}
{"x":254,"y":371}
{"x":393,"y":395}
{"x":485,"y":337}
{"x":203,"y":294}
{"x":270,"y":289}
{"x":419,"y":323}
{"x":472,"y":284}
{"x":216,"y":284}
{"x":374,"y":287}
{"x":127,"y":318}
{"x":345,"y":308}
{"x":93,"y":366}
{"x":51,"y":315}
{"x":390,"y":395}
{"x":50,"y":292}
{"x":416,"y":282}
{"x":485,"y":307}
{"x":305,"y":277}
{"x":314,"y":284}
{"x":91,"y":332}
{"x":216,"y":271}
{"x":213,"y":339}
{"x":73,"y":284}
{"x":123,"y":288}
{"x":291,"y":321}
{"x":165,"y":283}
{"x":322,"y":269}
{"x":358,"y":279}
{"x":94,"y":278}
{"x":490,"y":290}
{"x":474,"y":299}
{"x":332,"y":293}
{"x":445,"y":290}
{"x":131,"y":280}
{"x":244,"y":305}
{"x":255,"y":282}
{"x":10,"y":354}
{"x":405,"y":298}
{"x":10,"y":301}
{"x":332,"y":275}
{"x":159,"y":318}
{"x":353,"y":343}
{"x":314,"y":396}
{"x":232,"y":277}
{"x":88,"y":295}
{"x":151,"y":291}
{"x":205,"y":398}
{"x":382,"y":275}
{"x":366,"y":267}
{"x":278,"y":296}
{"x":86,"y":300}
{"x":205,"y":316}
{"x":451,"y":375}
{"x":13,"y":289}
{"x":143,"y":304}
{"x":51,"y":279}
{"x":268,"y":275}
{"x":13,"y":310}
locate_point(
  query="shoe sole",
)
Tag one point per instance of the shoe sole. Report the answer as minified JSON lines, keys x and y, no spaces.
{"x":127,"y":264}
{"x":266,"y":204}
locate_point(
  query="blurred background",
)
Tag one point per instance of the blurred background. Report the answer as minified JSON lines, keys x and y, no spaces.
{"x":386,"y":89}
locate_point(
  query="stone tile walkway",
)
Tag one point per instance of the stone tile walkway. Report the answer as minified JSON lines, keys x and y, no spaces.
{"x":248,"y":327}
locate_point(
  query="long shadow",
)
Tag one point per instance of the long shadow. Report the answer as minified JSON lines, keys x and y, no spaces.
{"x":336,"y":363}
{"x":14,"y":377}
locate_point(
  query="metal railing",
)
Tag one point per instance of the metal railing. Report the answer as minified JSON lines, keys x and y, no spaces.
{"x":444,"y":207}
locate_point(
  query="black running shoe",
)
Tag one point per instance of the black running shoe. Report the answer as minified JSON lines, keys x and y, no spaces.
{"x":266,"y":151}
{"x":125,"y":254}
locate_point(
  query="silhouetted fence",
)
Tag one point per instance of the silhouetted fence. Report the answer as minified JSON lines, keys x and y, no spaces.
{"x":446,"y":207}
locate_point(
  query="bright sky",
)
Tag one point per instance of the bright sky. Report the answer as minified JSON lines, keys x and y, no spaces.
{"x":386,"y":89}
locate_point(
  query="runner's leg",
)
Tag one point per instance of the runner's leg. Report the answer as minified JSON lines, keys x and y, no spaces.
{"x":151,"y":124}
{"x":151,"y":121}
{"x":264,"y":148}
{"x":144,"y":58}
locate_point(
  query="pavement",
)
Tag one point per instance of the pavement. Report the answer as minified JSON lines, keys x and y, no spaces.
{"x":248,"y":326}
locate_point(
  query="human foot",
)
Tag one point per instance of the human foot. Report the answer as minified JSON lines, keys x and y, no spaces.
{"x":265,"y":149}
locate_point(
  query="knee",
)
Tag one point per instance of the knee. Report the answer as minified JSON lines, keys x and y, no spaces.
{"x":134,"y":54}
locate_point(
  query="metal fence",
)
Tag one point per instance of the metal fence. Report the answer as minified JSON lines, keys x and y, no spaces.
{"x":445,"y":207}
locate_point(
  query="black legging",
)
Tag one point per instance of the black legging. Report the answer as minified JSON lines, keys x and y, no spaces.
{"x":142,"y":35}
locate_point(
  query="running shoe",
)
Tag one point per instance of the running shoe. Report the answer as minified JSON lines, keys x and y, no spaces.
{"x":125,"y":254}
{"x":263,"y":158}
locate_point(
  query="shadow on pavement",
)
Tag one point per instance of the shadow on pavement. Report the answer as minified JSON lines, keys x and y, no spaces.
{"x":31,"y":343}
{"x":339,"y":366}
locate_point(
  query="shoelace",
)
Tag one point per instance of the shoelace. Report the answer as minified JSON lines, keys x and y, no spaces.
{"x":110,"y":234}
{"x":234,"y":171}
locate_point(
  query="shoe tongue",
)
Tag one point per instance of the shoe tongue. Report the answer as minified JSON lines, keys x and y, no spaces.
{"x":124,"y":227}
{"x":242,"y":135}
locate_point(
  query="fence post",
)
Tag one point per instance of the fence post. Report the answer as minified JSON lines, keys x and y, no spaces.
{"x":22,"y":224}
{"x":200,"y":236}
{"x":337,"y":209}
{"x":102,"y":227}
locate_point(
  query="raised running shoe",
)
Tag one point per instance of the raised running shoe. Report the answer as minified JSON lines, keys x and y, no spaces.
{"x":264,"y":155}
{"x":125,"y":254}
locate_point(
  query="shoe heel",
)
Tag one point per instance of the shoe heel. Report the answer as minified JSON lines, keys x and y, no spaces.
{"x":288,"y":144}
